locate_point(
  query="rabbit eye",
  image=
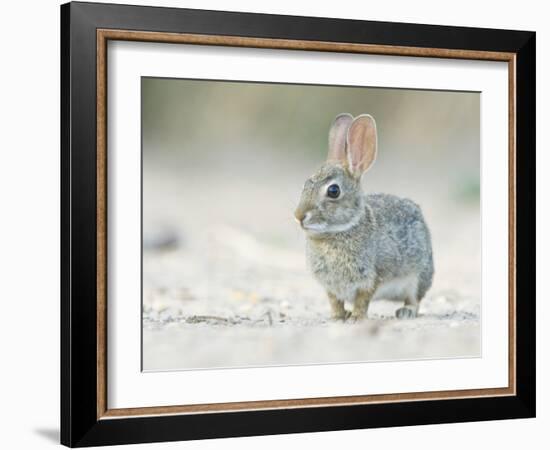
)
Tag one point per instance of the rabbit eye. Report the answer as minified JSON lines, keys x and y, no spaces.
{"x":333,"y":191}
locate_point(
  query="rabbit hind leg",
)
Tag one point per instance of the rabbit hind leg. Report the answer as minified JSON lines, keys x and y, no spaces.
{"x":412,"y":302}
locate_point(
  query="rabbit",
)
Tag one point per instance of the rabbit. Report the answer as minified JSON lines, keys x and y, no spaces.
{"x":361,"y":246}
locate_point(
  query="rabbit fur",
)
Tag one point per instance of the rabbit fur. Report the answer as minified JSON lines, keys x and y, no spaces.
{"x":361,"y":246}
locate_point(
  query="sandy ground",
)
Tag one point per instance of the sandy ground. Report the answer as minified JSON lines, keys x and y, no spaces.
{"x":225,"y":285}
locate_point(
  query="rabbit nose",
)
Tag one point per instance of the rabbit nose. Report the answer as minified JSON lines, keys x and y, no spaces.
{"x":299,"y":215}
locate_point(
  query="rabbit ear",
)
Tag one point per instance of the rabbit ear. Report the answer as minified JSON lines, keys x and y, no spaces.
{"x":361,"y":144}
{"x":337,"y":137}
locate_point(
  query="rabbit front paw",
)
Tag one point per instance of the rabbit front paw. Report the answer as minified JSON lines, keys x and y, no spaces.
{"x":357,"y":317}
{"x":341,"y":315}
{"x":406,"y":312}
{"x":339,"y":312}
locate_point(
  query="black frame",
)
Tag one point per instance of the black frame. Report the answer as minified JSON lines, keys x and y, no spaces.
{"x":79,"y":423}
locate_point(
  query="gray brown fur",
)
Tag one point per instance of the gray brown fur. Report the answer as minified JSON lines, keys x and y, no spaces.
{"x":363,"y":246}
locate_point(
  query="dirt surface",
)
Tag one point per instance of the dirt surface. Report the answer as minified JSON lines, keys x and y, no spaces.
{"x":226,"y":285}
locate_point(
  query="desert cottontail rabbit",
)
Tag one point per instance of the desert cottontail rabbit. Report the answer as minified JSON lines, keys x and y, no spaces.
{"x":360,"y":246}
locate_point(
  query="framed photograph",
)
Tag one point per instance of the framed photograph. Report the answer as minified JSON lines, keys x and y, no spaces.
{"x":277,"y":224}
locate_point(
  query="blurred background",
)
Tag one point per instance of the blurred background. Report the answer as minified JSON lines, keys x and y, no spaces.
{"x":225,"y":280}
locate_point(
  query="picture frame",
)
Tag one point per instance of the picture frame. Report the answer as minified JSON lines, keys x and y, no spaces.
{"x":86,"y":418}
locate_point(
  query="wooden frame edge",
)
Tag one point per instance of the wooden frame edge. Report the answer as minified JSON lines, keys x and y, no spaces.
{"x":303,"y":403}
{"x":289,"y":44}
{"x":101,"y":225}
{"x":103,"y":35}
{"x":512,"y":328}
